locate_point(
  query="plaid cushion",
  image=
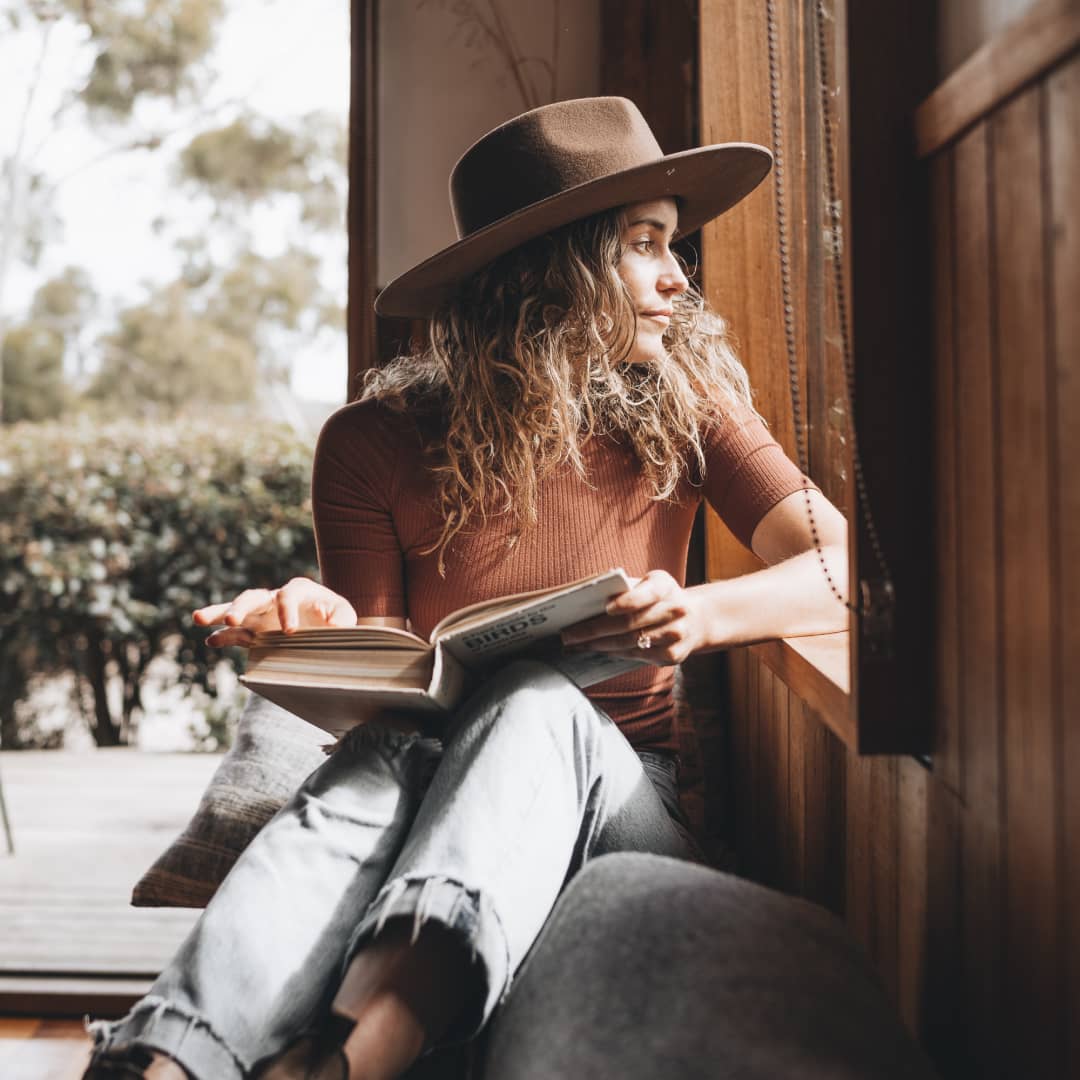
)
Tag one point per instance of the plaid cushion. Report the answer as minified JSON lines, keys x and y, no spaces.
{"x":272,"y":754}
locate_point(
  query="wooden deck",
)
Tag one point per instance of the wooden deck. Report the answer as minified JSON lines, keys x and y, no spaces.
{"x":85,"y":826}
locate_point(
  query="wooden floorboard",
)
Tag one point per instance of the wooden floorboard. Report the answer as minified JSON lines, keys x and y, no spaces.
{"x":36,"y":1049}
{"x":86,"y":825}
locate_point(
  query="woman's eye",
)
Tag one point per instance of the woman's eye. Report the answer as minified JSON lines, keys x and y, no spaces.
{"x":643,"y":245}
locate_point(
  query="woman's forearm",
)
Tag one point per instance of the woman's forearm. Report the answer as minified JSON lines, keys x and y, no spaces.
{"x":790,"y":599}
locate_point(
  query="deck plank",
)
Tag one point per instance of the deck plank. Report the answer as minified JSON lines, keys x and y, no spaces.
{"x":86,"y":825}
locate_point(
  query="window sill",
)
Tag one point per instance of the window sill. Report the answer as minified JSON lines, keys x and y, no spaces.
{"x":816,"y":669}
{"x":70,"y":995}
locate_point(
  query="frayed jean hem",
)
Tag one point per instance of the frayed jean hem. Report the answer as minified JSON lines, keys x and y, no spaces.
{"x":160,"y":1025}
{"x":468,"y":914}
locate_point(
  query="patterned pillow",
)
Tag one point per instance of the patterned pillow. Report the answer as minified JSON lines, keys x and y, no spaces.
{"x":272,"y":754}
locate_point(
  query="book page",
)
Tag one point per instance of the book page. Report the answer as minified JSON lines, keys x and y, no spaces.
{"x":485,"y":611}
{"x":344,"y":637}
{"x":495,"y":633}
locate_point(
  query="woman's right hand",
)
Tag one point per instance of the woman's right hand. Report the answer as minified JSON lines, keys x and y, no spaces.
{"x":300,"y":603}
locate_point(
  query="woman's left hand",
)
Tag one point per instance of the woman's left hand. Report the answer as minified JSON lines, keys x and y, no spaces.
{"x":655,"y":620}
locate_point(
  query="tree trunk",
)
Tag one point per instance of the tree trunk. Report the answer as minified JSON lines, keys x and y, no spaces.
{"x":105,"y":731}
{"x":12,"y":691}
{"x":133,"y":661}
{"x":9,"y":729}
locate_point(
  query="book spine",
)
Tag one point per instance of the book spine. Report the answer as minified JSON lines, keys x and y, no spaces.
{"x":449,"y":679}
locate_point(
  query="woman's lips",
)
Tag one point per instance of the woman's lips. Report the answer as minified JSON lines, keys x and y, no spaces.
{"x":662,"y":317}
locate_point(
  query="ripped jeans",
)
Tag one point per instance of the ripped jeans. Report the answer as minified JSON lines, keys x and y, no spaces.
{"x":479,"y":831}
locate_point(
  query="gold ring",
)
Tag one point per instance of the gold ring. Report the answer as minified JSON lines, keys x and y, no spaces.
{"x":644,"y":641}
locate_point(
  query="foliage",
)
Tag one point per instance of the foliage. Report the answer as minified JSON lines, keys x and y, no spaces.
{"x":211,"y":335}
{"x":164,"y":355}
{"x":66,"y":301}
{"x":113,"y":534}
{"x":32,"y":373}
{"x":256,"y":290}
{"x":216,"y":727}
{"x":145,"y":49}
{"x":32,"y":382}
{"x":231,"y":312}
{"x":253,"y":159}
{"x":247,"y":159}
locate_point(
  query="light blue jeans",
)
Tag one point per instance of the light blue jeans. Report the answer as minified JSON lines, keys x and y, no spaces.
{"x":479,"y":831}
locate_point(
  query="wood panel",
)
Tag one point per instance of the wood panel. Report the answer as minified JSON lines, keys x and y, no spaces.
{"x":825,"y":769}
{"x":1062,"y":192}
{"x":740,"y":269}
{"x":827,"y":304}
{"x":859,"y":875}
{"x":939,"y":1004}
{"x":883,"y":827}
{"x":911,"y":818}
{"x":1021,"y":53}
{"x":931,"y":988}
{"x":363,"y":189}
{"x":978,"y":628}
{"x":641,"y":39}
{"x":59,"y":1054}
{"x":769,"y":809}
{"x":1029,"y":837}
{"x":889,"y":70}
{"x":741,"y":756}
{"x":757,"y":827}
{"x":882,"y":322}
{"x":785,"y":828}
{"x":795,"y":855}
{"x":819,"y":666}
{"x":963,"y":881}
{"x":948,"y":731}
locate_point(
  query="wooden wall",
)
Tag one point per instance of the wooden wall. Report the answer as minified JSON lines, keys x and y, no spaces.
{"x":963,"y":881}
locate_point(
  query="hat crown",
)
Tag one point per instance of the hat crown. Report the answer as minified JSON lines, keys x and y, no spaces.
{"x":545,"y":152}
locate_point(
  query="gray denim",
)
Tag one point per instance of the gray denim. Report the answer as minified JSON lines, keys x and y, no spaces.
{"x":480,"y":831}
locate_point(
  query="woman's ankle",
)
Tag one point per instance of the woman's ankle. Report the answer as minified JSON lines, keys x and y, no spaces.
{"x":403,"y":996}
{"x":163,"y":1067}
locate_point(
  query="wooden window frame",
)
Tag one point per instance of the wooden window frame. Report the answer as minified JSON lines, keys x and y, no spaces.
{"x":876,"y":699}
{"x":362,"y":216}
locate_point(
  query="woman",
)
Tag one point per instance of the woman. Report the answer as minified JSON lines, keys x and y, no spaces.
{"x":573,"y":404}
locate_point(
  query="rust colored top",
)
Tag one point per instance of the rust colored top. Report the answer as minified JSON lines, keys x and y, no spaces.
{"x":375,"y":510}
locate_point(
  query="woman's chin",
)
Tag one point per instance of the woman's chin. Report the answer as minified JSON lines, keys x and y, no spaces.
{"x":650,"y":353}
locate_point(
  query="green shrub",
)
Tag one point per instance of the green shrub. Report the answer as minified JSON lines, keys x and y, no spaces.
{"x":111,"y":535}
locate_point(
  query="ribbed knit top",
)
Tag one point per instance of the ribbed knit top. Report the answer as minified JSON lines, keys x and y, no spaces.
{"x":375,"y":511}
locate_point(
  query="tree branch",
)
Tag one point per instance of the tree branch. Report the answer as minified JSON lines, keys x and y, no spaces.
{"x":11,"y":203}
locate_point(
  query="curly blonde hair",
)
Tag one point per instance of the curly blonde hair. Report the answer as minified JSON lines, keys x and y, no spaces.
{"x":531,"y":357}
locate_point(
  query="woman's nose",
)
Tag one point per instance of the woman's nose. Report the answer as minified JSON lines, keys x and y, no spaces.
{"x":673,"y":280}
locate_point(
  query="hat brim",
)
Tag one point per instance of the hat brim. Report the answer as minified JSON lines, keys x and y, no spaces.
{"x":706,"y":181}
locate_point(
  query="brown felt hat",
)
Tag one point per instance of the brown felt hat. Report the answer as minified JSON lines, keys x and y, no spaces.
{"x":553,"y":165}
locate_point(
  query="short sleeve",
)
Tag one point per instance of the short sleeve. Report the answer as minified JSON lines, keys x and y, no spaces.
{"x":352,"y":494}
{"x":747,"y":472}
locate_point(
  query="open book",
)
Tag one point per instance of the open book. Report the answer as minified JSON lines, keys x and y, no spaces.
{"x":336,"y":677}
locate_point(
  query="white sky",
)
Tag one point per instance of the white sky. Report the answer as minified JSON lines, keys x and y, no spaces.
{"x":281,"y":58}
